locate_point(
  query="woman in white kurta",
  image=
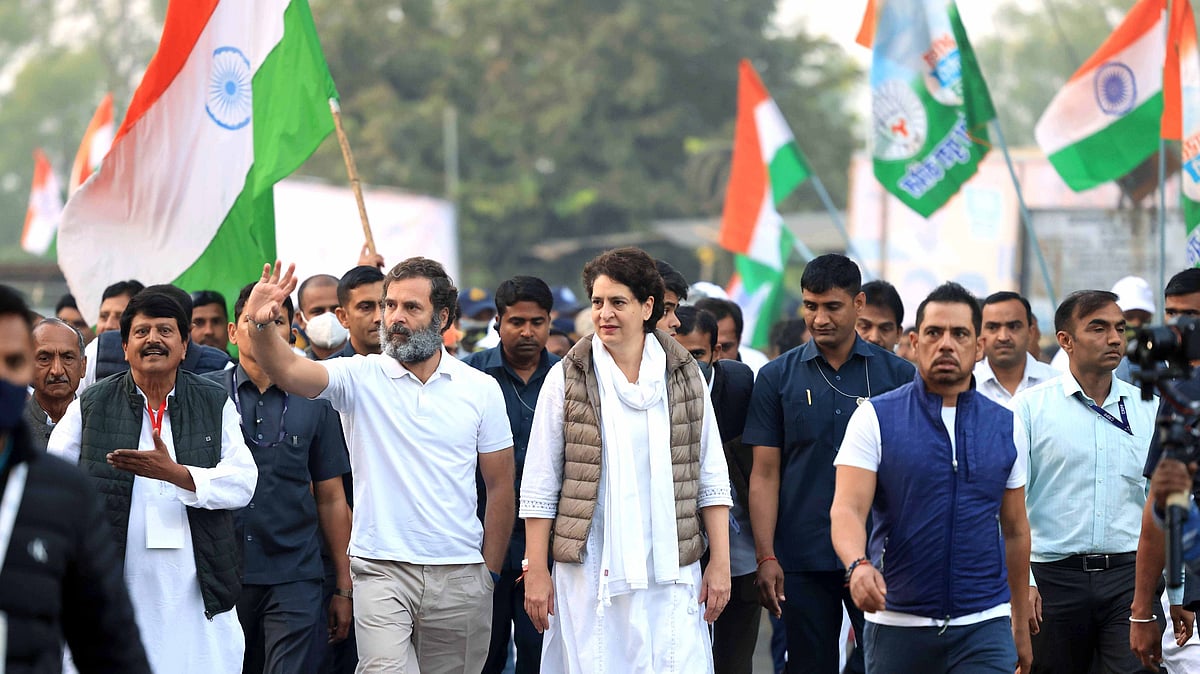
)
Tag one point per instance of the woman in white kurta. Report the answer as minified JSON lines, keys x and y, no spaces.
{"x":642,"y":613}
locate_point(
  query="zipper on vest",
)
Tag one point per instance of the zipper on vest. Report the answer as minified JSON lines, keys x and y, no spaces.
{"x":950,"y":540}
{"x":883,"y":552}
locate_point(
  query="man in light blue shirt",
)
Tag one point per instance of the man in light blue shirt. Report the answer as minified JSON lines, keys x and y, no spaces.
{"x":1087,"y":434}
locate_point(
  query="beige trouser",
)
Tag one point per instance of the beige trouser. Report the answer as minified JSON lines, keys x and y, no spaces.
{"x":413,"y":619}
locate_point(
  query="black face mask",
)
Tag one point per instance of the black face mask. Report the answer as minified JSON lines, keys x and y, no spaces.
{"x":12,"y":404}
{"x":705,"y":368}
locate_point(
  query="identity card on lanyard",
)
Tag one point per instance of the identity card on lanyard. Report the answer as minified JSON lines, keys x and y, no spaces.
{"x":164,"y":511}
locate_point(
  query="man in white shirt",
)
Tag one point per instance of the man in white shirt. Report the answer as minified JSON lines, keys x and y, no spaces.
{"x":165,"y":448}
{"x":418,"y":423}
{"x":1007,"y":367}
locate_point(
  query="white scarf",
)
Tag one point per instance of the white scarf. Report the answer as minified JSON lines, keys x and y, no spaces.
{"x":623,"y":552}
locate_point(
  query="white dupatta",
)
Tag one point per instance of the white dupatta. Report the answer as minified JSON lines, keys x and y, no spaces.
{"x":622,"y":404}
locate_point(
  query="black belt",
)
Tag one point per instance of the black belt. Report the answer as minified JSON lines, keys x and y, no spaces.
{"x":1094,"y":562}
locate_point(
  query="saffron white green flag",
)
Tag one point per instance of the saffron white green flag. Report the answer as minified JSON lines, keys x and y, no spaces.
{"x":767,"y":167}
{"x":235,"y":99}
{"x":1181,"y":116}
{"x":45,"y":207}
{"x":1105,"y":119}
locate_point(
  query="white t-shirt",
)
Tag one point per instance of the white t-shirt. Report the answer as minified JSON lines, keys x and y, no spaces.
{"x":861,"y":449}
{"x":413,"y":450}
{"x":861,"y":445}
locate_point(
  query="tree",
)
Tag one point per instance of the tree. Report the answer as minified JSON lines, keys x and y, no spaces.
{"x":573,"y":118}
{"x":60,"y":75}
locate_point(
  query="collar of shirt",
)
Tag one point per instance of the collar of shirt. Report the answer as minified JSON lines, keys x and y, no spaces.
{"x":447,"y":366}
{"x":811,"y":351}
{"x":1115,"y":391}
{"x":240,"y":378}
{"x":1035,"y":372}
{"x":493,"y":359}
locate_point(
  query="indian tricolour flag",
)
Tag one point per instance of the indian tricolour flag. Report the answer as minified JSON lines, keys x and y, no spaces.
{"x":767,"y":166}
{"x":1181,"y":115}
{"x":1105,"y":120}
{"x":45,"y":207}
{"x":97,"y":139}
{"x":235,"y":99}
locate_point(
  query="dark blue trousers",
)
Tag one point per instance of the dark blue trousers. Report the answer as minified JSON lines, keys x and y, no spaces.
{"x":982,"y":648}
{"x":813,"y":617}
{"x":277,"y":621}
{"x":510,"y":620}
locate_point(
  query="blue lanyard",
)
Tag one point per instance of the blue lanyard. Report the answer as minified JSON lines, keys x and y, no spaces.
{"x":237,"y":403}
{"x":1122,"y":423}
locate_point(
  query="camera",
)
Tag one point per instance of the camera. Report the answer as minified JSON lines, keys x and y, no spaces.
{"x":1164,"y":355}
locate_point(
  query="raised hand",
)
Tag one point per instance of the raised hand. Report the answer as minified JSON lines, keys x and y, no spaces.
{"x":265,"y":303}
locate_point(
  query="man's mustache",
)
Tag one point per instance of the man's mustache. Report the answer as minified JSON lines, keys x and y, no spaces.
{"x":154,"y":350}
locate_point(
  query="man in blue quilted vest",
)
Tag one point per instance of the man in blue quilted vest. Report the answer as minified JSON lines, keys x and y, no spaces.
{"x":935,"y":466}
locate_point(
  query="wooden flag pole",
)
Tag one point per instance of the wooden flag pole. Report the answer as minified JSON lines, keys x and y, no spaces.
{"x":352,"y":171}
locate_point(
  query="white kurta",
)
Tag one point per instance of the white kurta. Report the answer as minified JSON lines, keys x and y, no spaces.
{"x":162,"y":582}
{"x":660,"y":629}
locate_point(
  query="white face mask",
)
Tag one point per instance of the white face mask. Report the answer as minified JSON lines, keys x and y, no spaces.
{"x":326,"y":332}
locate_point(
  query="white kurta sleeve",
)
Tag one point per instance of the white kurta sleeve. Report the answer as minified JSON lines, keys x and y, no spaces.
{"x":541,"y":483}
{"x":229,"y":485}
{"x":66,"y":439}
{"x":714,"y":470}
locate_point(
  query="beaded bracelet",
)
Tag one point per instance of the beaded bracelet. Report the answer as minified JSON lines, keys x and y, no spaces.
{"x":854,"y":565}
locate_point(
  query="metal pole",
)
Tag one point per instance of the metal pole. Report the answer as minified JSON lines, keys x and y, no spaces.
{"x":1025,"y":216}
{"x":837,"y":222}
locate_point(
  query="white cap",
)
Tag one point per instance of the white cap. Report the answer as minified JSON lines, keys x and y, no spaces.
{"x":703,"y":289}
{"x":325,"y":331}
{"x":1134,"y":293}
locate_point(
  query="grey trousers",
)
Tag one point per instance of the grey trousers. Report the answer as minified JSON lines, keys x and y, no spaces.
{"x":410,"y":618}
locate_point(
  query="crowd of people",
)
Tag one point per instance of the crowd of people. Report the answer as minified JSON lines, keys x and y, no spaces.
{"x":391,"y":475}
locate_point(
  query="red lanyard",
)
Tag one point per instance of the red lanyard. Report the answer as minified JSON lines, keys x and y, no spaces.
{"x":156,"y":420}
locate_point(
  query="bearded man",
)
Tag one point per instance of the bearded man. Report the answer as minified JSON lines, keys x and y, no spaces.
{"x":418,"y":424}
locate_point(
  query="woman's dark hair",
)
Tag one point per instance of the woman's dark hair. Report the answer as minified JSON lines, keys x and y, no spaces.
{"x":631,"y":267}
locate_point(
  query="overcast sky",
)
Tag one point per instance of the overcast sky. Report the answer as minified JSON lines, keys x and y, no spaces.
{"x":840,"y":20}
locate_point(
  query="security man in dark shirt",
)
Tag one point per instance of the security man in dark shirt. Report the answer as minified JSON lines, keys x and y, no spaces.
{"x":300,"y":452}
{"x":519,"y":364}
{"x":801,"y":404}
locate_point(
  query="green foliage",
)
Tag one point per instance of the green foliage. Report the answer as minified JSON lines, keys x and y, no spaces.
{"x":63,"y":56}
{"x":574,"y":119}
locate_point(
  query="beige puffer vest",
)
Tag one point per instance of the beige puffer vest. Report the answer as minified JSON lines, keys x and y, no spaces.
{"x":581,"y":430}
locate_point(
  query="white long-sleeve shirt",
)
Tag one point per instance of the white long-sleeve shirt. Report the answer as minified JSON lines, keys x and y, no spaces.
{"x":162,"y":581}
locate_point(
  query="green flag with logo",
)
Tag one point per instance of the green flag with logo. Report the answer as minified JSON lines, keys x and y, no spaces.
{"x":930,"y":105}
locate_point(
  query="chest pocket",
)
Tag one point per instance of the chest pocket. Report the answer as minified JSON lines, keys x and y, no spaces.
{"x":290,"y":459}
{"x":807,"y":415}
